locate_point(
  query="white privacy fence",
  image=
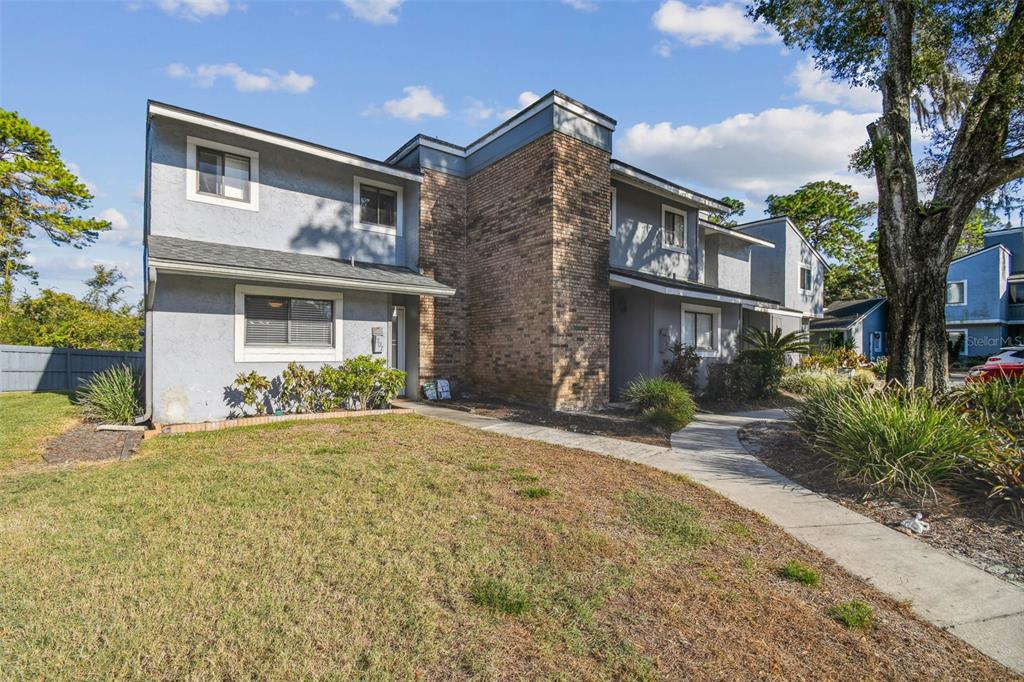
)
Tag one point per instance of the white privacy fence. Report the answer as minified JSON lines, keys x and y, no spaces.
{"x":42,"y":368}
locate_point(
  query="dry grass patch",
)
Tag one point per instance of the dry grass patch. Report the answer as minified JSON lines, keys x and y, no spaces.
{"x":371,"y":548}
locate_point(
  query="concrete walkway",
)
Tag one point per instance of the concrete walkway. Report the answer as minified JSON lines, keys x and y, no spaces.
{"x":979,"y":608}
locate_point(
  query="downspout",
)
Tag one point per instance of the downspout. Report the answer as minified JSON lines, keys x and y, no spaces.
{"x":147,"y":347}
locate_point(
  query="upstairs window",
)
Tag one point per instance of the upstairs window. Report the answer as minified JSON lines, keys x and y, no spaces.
{"x":378,"y":206}
{"x":673,"y":228}
{"x":956,"y":293}
{"x":1016,"y":292}
{"x":806,"y":279}
{"x":280,"y":321}
{"x":221,"y":174}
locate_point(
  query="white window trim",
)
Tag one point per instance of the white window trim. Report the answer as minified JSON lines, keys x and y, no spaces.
{"x":967,"y":338}
{"x":615,"y":212}
{"x":357,"y":218}
{"x":665,"y":208}
{"x":800,"y":274}
{"x":245,"y":353}
{"x":958,"y":281}
{"x":192,"y":192}
{"x":716,"y":324}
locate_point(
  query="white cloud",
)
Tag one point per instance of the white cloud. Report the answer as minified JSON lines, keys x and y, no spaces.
{"x":525,"y":99}
{"x":813,"y":85}
{"x":267,"y":80}
{"x":663,"y":49}
{"x":773,"y":151}
{"x":726,"y":24}
{"x":120,"y":232}
{"x":419,"y":102}
{"x":581,"y":5}
{"x":478,"y":111}
{"x":375,"y":11}
{"x":194,"y":10}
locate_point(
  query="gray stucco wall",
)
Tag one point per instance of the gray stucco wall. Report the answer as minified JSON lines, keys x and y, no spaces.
{"x":305,"y":202}
{"x":637,"y":242}
{"x":775,"y":273}
{"x":987,"y":292}
{"x":733,"y":263}
{"x":192,"y":332}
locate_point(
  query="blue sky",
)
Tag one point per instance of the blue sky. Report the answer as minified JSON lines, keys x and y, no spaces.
{"x":700,"y":93}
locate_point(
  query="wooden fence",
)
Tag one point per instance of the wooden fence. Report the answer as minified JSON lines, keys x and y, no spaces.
{"x":41,"y":368}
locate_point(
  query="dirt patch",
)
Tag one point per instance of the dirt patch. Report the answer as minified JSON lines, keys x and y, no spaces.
{"x":958,"y":527}
{"x":612,"y":422}
{"x":85,"y":444}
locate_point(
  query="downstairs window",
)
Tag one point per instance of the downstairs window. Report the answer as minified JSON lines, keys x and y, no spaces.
{"x":281,"y":321}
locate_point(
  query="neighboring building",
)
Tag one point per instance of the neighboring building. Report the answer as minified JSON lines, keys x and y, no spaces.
{"x":527,"y":264}
{"x":863,"y":324}
{"x":985,"y":295}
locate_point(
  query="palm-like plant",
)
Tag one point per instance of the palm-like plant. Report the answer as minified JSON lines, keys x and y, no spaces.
{"x":776,"y":342}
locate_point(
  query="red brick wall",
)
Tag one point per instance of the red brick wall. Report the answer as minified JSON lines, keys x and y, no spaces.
{"x":442,"y":325}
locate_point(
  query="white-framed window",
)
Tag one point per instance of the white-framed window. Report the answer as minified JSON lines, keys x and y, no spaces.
{"x":1016,"y":292}
{"x":956,"y":339}
{"x":806,"y":278}
{"x":613,"y":199}
{"x":377,"y":206}
{"x":876,"y":342}
{"x":673,"y":228}
{"x":274,"y":324}
{"x":222,"y":174}
{"x":702,"y":329}
{"x":956,"y":292}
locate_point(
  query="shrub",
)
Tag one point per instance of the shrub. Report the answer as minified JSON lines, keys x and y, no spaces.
{"x":880,"y":367}
{"x":661,"y":402}
{"x":893,"y":438}
{"x":112,"y":396}
{"x":301,"y":389}
{"x":369,"y":382}
{"x":255,"y":390}
{"x":834,"y":358}
{"x":801,"y":573}
{"x":752,"y":376}
{"x":998,"y":404}
{"x":806,"y":381}
{"x":854,"y":614}
{"x":501,"y":596}
{"x":682,"y":366}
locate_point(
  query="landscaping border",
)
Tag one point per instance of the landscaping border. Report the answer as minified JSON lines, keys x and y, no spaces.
{"x":172,"y":429}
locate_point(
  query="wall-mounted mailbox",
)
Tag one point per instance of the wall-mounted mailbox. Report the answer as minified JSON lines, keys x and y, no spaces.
{"x":377,"y":340}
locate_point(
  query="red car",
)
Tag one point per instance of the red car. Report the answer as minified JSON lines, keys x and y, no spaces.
{"x":1008,"y":364}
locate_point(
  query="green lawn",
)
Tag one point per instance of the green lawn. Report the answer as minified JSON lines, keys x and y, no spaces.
{"x":27,"y":420}
{"x":400,"y":547}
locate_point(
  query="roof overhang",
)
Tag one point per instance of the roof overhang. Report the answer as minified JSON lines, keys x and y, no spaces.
{"x":233,"y":272}
{"x":223,"y":125}
{"x":652,"y":183}
{"x":733,"y":234}
{"x":683,"y":291}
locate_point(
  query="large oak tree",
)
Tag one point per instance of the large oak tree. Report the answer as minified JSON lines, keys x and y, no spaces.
{"x":957,"y":65}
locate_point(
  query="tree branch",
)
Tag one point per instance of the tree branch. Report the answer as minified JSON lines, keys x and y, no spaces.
{"x":1004,"y":171}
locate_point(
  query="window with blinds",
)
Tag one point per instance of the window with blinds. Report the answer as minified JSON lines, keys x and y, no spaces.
{"x":279,"y":321}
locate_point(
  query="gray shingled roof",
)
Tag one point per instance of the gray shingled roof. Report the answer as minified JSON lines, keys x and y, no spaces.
{"x":842,"y":314}
{"x":229,"y":255}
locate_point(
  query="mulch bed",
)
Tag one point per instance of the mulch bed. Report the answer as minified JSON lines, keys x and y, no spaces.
{"x":85,"y":444}
{"x":612,"y":422}
{"x":966,"y":529}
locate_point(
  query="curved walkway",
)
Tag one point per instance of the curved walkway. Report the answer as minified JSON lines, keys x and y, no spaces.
{"x":977,"y":607}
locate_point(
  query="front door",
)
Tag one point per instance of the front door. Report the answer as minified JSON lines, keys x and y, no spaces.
{"x":397,"y":358}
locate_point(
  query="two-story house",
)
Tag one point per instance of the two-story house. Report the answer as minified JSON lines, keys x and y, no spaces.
{"x":985,"y":295}
{"x":527,"y":264}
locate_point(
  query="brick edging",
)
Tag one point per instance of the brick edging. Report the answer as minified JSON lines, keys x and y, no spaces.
{"x":272,"y":419}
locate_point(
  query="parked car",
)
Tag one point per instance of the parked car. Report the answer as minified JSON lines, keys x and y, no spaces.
{"x":1008,"y":363}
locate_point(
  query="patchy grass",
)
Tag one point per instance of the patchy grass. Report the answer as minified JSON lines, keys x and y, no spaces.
{"x":534,"y":493}
{"x":28,"y":420}
{"x":501,"y":596}
{"x":854,"y":614}
{"x":800,"y":572}
{"x":366,"y":548}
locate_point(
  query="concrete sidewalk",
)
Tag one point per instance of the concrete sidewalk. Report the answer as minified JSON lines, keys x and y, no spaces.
{"x":979,"y":608}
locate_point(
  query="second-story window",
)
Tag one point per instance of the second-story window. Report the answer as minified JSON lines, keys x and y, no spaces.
{"x":222,"y":174}
{"x":377,"y":206}
{"x":674,"y":228}
{"x":1016,"y":292}
{"x":956,"y":293}
{"x":805,"y":278}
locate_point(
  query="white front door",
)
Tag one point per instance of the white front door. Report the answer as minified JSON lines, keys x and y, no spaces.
{"x":398,"y":340}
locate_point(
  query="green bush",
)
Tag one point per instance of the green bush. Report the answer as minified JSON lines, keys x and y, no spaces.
{"x":894,"y":438}
{"x":880,"y":367}
{"x":753,"y":375}
{"x":365,"y":382}
{"x":663,"y":403}
{"x":998,"y":404}
{"x":112,"y":396}
{"x":806,"y":381}
{"x":255,"y":390}
{"x":302,"y":389}
{"x":834,"y":358}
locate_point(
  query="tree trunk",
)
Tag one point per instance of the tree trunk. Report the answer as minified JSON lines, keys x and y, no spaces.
{"x":918,"y":353}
